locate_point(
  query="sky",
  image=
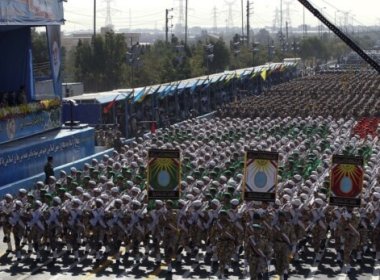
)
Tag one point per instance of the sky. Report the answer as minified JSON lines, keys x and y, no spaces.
{"x":151,"y":13}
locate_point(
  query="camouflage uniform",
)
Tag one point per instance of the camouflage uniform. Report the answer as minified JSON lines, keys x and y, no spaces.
{"x":283,"y":238}
{"x":225,"y":234}
{"x":254,"y":250}
{"x":351,"y":235}
{"x":168,"y":223}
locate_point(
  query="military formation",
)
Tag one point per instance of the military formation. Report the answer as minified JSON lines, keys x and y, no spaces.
{"x":338,"y":94}
{"x":104,"y":209}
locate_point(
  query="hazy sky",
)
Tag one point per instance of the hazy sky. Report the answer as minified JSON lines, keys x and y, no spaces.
{"x":151,"y":13}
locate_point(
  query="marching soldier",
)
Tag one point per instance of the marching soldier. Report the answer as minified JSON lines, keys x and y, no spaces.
{"x":16,"y":220}
{"x":168,"y":223}
{"x":37,"y":228}
{"x":6,"y":207}
{"x":225,"y":234}
{"x":351,"y":236}
{"x":254,"y":250}
{"x":284,"y":238}
{"x":54,"y":225}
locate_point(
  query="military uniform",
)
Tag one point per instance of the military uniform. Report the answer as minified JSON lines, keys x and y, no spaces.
{"x":283,"y":239}
{"x":226,"y":241}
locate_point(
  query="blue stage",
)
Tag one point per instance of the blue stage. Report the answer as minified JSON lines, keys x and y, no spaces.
{"x":26,"y":157}
{"x":30,"y":122}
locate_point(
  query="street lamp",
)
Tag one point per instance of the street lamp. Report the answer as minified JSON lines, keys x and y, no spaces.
{"x":209,"y":57}
{"x":133,"y":58}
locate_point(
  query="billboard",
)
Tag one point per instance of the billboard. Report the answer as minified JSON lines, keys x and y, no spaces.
{"x":260,"y":176}
{"x":346,"y":180}
{"x":31,"y":12}
{"x":164,"y":167}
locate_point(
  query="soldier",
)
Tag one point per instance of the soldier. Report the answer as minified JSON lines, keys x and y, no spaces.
{"x":254,"y":250}
{"x":74,"y":226}
{"x":98,"y":226}
{"x":135,"y":228}
{"x":117,"y":229}
{"x":16,"y":220}
{"x":6,"y":206}
{"x":196,"y":221}
{"x":351,"y":236}
{"x":284,"y":238}
{"x":37,"y":228}
{"x":318,"y":228}
{"x":168,"y":223}
{"x":183,"y":227}
{"x":54,"y":225}
{"x":225,"y":234}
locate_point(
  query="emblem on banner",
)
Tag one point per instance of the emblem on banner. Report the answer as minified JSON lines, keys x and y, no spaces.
{"x":346,"y":180}
{"x":260,"y":175}
{"x":164,"y":168}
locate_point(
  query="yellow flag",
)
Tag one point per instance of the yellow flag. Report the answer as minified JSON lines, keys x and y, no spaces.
{"x":264,"y":74}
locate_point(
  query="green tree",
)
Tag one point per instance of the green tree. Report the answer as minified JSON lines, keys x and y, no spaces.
{"x":100,"y":64}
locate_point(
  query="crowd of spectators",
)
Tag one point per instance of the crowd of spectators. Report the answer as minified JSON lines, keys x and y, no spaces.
{"x":13,"y":98}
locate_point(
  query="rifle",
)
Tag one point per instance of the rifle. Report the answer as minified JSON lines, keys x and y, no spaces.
{"x":253,"y":244}
{"x":283,"y":235}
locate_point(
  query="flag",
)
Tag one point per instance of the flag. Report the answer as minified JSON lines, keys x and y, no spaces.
{"x":230,"y":77}
{"x":110,"y":105}
{"x":144,"y":94}
{"x":264,"y":74}
{"x":139,"y":95}
{"x":163,"y":92}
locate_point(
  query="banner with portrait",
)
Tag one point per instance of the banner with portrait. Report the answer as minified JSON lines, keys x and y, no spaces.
{"x":54,"y":41}
{"x":164,"y":168}
{"x":346,"y":180}
{"x":31,"y":12}
{"x":260,"y":176}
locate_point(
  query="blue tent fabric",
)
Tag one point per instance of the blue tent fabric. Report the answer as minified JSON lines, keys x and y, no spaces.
{"x":103,"y":99}
{"x":14,"y":48}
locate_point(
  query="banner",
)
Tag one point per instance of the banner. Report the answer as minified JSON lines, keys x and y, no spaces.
{"x":164,"y":174}
{"x":31,"y":12}
{"x":21,"y":126}
{"x":260,"y":176}
{"x":346,"y":180}
{"x":54,"y":40}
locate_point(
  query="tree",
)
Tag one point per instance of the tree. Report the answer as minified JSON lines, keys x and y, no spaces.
{"x":100,"y":65}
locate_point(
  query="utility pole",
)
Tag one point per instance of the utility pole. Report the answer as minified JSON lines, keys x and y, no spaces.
{"x":248,"y":26}
{"x":304,"y":23}
{"x":287,"y":31}
{"x":167,"y":24}
{"x":242,"y":19}
{"x":94,"y":18}
{"x":215,"y":15}
{"x":186,"y":8}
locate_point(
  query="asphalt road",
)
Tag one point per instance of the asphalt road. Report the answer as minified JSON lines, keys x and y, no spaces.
{"x":84,"y":268}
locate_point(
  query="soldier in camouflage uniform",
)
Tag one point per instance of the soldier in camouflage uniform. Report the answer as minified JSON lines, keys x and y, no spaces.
{"x":226,"y":235}
{"x":254,"y":250}
{"x":283,"y":238}
{"x":351,"y":236}
{"x":6,"y":206}
{"x":168,"y":223}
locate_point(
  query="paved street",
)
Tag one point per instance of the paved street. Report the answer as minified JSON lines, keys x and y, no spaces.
{"x":84,"y":269}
